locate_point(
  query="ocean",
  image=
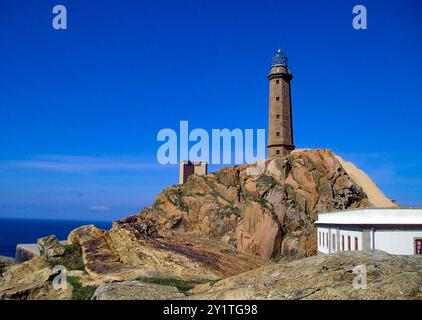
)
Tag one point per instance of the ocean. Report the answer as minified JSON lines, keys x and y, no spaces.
{"x":14,"y":231}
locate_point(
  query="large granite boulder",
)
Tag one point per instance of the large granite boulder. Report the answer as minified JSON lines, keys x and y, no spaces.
{"x":258,"y":232}
{"x":32,"y":280}
{"x":50,"y":246}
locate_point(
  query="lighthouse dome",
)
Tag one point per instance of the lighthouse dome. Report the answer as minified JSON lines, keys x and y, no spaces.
{"x":279,"y":58}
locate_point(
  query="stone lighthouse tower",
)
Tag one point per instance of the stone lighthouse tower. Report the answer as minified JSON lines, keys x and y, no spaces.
{"x":280,"y":127}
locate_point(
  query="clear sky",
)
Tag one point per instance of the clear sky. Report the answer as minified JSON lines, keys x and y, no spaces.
{"x":80,"y":108}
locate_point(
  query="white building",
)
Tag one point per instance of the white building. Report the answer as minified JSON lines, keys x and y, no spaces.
{"x":395,"y":230}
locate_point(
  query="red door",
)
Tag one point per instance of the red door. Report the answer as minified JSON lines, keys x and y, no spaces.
{"x":418,"y":246}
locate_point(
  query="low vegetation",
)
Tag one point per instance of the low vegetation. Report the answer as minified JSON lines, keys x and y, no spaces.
{"x":80,"y":292}
{"x":183,"y":286}
{"x":72,"y":258}
{"x":277,"y":258}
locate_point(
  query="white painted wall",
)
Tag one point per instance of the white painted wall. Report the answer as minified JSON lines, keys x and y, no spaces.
{"x":352,"y":234}
{"x":322,"y":245}
{"x":399,"y":242}
{"x":330,"y":248}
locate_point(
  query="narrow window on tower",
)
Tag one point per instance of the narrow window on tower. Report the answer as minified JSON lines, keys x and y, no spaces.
{"x":277,"y":134}
{"x":277,"y":98}
{"x":277,"y":116}
{"x":277,"y":81}
{"x":277,"y":152}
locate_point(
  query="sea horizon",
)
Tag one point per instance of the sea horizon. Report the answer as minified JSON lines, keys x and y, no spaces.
{"x":58,"y":219}
{"x":16,"y":230}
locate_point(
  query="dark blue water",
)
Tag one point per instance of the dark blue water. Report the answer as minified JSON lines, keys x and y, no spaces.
{"x":14,"y":231}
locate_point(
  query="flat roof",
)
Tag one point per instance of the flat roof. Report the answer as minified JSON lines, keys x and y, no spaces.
{"x":376,"y":216}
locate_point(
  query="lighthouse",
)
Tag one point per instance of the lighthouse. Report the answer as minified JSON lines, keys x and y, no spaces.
{"x":280,"y":125}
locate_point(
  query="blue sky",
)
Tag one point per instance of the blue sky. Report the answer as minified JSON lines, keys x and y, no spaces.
{"x":81,"y":108}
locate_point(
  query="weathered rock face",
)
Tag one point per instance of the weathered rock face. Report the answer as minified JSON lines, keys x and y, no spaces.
{"x":134,"y":290}
{"x":258,"y":232}
{"x":128,"y":251}
{"x":325,"y":277}
{"x":100,"y":261}
{"x":266,"y":210}
{"x":134,"y":249}
{"x":50,"y":246}
{"x":31,"y":280}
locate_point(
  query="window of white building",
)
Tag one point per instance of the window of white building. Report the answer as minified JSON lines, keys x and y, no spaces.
{"x":326,"y":239}
{"x":334,"y":242}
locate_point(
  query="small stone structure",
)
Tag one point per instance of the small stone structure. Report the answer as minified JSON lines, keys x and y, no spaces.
{"x":188,"y":168}
{"x":27,"y":251}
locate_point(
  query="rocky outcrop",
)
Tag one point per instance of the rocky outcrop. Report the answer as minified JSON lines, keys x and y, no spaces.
{"x":100,"y":261}
{"x":135,"y":290}
{"x":325,"y":277}
{"x":225,"y":225}
{"x":265,"y":209}
{"x":128,"y":251}
{"x":50,"y":246}
{"x":32,"y":280}
{"x":136,"y":249}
